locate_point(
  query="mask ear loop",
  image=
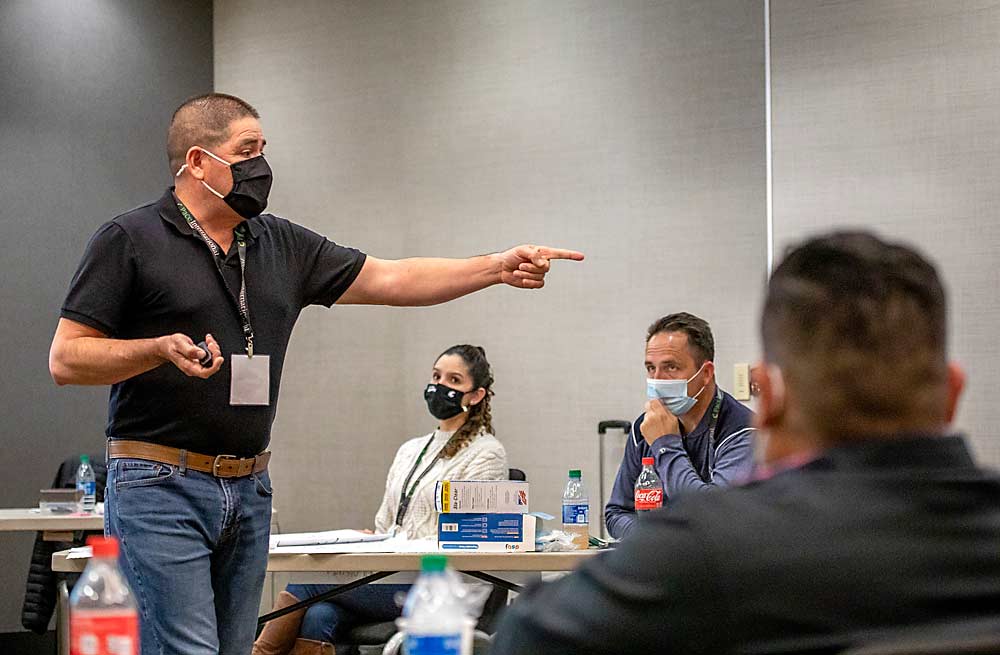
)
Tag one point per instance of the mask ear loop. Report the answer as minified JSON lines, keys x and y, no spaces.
{"x":704,"y":386}
{"x":216,"y":158}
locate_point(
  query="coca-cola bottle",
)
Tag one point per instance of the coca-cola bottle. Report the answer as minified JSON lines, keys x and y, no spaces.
{"x":648,"y":488}
{"x":103,"y":619}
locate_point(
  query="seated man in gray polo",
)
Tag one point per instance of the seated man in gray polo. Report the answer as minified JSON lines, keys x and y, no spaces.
{"x":698,"y":435}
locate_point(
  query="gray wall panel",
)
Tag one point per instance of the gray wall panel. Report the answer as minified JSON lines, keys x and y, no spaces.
{"x":85,"y":96}
{"x":632,"y":131}
{"x":885,"y":116}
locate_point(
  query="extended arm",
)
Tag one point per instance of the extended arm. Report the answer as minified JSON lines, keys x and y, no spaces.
{"x":429,"y":281}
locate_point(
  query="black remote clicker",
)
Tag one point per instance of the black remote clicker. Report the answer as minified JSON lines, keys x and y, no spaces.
{"x":206,"y":359}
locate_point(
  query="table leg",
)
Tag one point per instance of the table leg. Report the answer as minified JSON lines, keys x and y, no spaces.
{"x":336,"y":591}
{"x":62,"y":618}
{"x":492,"y":579}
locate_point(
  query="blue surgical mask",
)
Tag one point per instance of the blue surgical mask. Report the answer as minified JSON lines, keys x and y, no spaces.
{"x":673,"y":393}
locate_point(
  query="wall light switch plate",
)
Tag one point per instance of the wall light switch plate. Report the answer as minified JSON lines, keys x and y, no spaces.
{"x":741,"y":381}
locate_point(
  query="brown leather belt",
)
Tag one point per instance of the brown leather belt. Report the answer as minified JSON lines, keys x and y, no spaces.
{"x":221,"y":466}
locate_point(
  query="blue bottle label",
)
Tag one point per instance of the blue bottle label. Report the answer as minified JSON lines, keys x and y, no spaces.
{"x":88,"y":488}
{"x":579,"y":514}
{"x":433,"y":645}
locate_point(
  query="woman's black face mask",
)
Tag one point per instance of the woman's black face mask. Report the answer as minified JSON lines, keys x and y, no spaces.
{"x":444,"y":402}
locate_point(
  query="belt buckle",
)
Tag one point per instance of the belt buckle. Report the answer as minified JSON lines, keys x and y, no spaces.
{"x":218,"y":462}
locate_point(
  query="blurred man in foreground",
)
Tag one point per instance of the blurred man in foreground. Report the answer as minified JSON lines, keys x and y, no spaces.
{"x":869,"y":519}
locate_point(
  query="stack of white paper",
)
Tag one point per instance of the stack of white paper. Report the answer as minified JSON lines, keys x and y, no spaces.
{"x":323,"y":538}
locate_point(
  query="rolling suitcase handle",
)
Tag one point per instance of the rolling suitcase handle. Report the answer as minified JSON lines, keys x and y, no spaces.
{"x":602,"y":429}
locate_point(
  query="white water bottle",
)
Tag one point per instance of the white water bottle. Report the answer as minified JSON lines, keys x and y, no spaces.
{"x":576,"y":510}
{"x":86,"y":484}
{"x":103,"y":619}
{"x":434,"y":617}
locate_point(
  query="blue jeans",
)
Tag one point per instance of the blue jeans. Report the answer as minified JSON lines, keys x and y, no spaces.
{"x":194,"y":550}
{"x":333,"y":619}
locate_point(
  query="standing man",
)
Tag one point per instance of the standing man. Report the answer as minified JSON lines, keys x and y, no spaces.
{"x":874,"y":523}
{"x":188,"y":495}
{"x":697,"y":434}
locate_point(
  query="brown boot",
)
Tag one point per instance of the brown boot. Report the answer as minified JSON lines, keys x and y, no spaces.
{"x":311,"y":647}
{"x":278,"y":636}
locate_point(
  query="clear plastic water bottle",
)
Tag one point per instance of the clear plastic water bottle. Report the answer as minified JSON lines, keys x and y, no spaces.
{"x":86,"y":484}
{"x":434,"y":617}
{"x":103,"y":619}
{"x":648,"y":488}
{"x":576,"y":510}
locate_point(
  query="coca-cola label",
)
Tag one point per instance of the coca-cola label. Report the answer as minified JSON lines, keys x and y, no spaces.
{"x":103,"y":633}
{"x":647,"y":499}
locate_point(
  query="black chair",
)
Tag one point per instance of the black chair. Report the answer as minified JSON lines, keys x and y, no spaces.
{"x":370,"y":639}
{"x":42,"y":587}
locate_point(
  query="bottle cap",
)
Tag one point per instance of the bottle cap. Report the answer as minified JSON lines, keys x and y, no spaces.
{"x":103,"y":546}
{"x":85,"y":459}
{"x":574,"y":473}
{"x":647,"y":461}
{"x":433,"y":563}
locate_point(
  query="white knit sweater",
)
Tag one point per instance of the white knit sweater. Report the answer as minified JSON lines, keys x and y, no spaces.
{"x":484,"y":458}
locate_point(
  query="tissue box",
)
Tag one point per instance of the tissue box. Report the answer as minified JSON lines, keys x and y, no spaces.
{"x":481,"y":497}
{"x":486,"y":532}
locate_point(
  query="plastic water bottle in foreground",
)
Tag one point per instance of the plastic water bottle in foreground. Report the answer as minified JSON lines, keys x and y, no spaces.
{"x":86,"y":483}
{"x":576,"y":510}
{"x":103,"y":619}
{"x":434,"y":617}
{"x":648,"y":488}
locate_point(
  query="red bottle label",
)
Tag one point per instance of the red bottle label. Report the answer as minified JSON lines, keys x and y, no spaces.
{"x":647,"y":499}
{"x":103,"y":633}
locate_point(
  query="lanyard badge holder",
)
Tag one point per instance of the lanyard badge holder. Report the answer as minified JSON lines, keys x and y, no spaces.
{"x":249,"y":373}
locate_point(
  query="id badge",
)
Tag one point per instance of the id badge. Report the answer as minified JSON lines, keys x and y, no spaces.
{"x":250,"y":380}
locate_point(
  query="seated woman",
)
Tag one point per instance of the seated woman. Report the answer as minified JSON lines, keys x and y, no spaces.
{"x":461,"y":448}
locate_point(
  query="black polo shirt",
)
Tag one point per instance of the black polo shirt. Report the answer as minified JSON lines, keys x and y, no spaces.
{"x":147,"y":274}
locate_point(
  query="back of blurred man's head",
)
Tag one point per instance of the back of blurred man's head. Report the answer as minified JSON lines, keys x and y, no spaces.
{"x":858,"y":328}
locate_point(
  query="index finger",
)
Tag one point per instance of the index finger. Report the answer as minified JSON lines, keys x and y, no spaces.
{"x":560,"y":253}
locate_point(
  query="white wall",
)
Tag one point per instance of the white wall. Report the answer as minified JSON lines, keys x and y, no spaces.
{"x":885,"y":116}
{"x":631,"y":131}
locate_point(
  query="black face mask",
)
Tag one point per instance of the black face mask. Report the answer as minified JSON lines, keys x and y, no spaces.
{"x":443,"y":402}
{"x":251,"y":184}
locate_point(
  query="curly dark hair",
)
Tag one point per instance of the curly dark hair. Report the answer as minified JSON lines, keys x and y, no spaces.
{"x":480,"y":419}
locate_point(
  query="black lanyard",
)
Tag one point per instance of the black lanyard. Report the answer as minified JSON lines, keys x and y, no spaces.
{"x":713,"y":423}
{"x":241,"y":248}
{"x":404,"y":496}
